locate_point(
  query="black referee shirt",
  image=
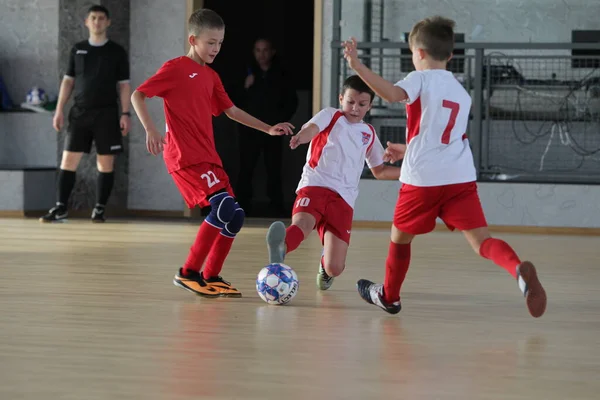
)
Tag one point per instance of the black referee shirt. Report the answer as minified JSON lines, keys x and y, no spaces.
{"x":97,"y":70}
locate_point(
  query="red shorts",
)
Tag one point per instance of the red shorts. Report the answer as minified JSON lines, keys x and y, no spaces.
{"x":457,"y":205}
{"x":199,"y":181}
{"x":330,"y":210}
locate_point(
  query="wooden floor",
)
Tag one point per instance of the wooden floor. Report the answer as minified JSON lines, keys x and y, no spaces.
{"x":89,"y":312}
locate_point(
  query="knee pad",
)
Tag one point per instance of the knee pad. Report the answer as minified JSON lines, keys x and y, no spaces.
{"x":236,"y":223}
{"x":222,"y":209}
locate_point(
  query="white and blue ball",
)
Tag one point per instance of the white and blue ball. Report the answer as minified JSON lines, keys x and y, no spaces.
{"x":277,"y":284}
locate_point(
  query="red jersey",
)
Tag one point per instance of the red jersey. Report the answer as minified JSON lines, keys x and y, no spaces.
{"x":192,"y":94}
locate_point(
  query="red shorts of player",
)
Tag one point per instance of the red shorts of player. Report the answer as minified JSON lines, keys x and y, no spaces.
{"x":330,"y":210}
{"x":197,"y":182}
{"x":457,"y":205}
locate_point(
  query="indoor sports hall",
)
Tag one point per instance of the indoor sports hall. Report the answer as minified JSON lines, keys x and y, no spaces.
{"x":89,"y":310}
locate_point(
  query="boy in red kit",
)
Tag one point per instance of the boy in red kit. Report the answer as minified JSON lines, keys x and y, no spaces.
{"x":438,"y":173}
{"x":192,"y":94}
{"x":340,"y":143}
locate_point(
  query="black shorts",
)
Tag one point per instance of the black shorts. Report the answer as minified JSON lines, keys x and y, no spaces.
{"x":100,"y":125}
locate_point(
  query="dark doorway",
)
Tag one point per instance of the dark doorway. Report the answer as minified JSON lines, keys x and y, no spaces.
{"x":290,"y":24}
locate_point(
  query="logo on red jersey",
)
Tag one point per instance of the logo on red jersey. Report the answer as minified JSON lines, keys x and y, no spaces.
{"x":366,"y":137}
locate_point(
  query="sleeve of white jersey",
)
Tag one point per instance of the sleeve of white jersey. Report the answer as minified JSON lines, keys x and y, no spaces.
{"x":412,"y":85}
{"x":375,"y":153}
{"x":322,"y":119}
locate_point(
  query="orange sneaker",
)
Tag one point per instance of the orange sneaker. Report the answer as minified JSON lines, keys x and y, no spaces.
{"x":223,"y":287}
{"x":193,"y":282}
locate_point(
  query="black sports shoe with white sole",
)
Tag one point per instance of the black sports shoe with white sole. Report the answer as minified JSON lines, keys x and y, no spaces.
{"x":56,"y":214}
{"x":372,"y":293}
{"x":98,"y":215}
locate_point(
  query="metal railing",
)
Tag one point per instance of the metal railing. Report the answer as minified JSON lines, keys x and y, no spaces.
{"x":535,"y":114}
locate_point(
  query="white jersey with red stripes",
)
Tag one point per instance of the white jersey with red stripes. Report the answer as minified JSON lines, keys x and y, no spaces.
{"x":437,"y":111}
{"x":337,"y":154}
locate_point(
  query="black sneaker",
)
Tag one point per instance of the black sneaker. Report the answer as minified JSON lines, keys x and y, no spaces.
{"x":98,"y":215}
{"x":56,"y":214}
{"x":372,"y":293}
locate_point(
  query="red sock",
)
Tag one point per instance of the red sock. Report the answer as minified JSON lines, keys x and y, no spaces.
{"x":396,"y":266}
{"x":204,"y":240}
{"x":501,"y":254}
{"x":293,"y":237}
{"x":216,"y":257}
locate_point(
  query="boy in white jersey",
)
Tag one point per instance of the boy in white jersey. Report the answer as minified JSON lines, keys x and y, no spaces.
{"x":438,"y":174}
{"x":340,"y":143}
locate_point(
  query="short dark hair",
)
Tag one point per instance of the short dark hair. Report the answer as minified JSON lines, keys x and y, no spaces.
{"x":354,"y":82}
{"x":435,"y":35}
{"x":264,"y":38}
{"x":98,"y":8}
{"x":204,"y":18}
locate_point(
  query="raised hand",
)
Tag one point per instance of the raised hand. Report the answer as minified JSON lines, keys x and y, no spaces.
{"x":282,"y":128}
{"x":394,"y":152}
{"x":351,"y":53}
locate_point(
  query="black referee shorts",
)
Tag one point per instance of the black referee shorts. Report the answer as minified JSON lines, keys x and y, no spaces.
{"x":99,"y":125}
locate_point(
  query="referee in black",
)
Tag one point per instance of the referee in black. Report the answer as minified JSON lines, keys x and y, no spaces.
{"x":98,"y":74}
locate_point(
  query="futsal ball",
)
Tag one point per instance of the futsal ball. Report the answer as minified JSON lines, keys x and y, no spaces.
{"x":277,"y":284}
{"x":36,"y":96}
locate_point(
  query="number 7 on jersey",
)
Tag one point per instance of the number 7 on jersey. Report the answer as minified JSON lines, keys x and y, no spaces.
{"x":454,"y":107}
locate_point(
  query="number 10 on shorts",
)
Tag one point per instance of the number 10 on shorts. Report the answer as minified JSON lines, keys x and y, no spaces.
{"x":302,"y":202}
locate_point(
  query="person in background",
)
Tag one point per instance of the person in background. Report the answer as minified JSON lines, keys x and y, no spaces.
{"x":270,"y":96}
{"x":98,"y":75}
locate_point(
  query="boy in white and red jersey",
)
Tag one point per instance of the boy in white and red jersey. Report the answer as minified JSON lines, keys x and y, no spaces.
{"x":192,"y":94}
{"x":438,"y":173}
{"x":340,"y":143}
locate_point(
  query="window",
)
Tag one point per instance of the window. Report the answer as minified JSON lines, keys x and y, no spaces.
{"x":587,"y":36}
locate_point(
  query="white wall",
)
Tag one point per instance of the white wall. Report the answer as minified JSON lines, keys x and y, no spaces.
{"x":27,"y":139}
{"x":500,"y":20}
{"x":504,"y":204}
{"x":157,"y":32}
{"x":29,"y":46}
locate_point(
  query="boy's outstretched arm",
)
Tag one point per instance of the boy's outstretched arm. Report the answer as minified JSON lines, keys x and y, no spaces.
{"x":384,"y":89}
{"x":393,"y":153}
{"x":305,"y":135}
{"x":386,"y":172}
{"x":154,"y":140}
{"x":241,"y":116}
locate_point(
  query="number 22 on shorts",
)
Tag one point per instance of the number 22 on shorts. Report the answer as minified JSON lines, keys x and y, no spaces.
{"x":211,"y":178}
